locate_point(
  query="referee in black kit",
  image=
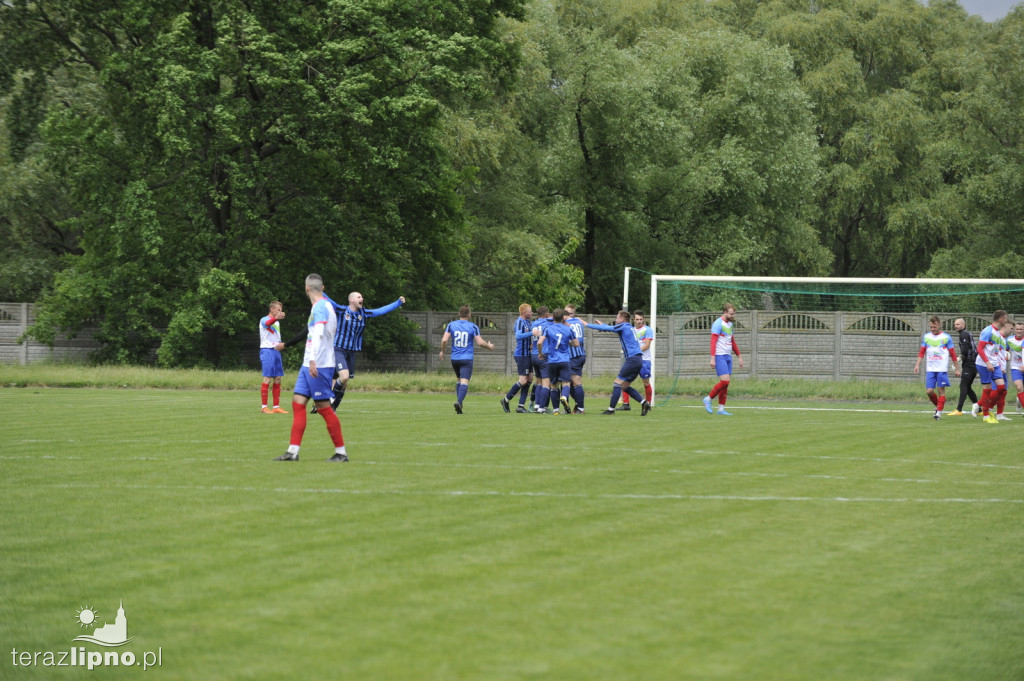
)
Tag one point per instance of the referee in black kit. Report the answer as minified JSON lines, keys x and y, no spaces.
{"x":968,"y":353}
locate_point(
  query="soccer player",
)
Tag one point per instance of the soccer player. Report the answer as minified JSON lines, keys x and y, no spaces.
{"x":645,"y":335}
{"x":540,"y":366}
{"x":968,"y":354}
{"x":349,"y":339}
{"x":1015,"y":344}
{"x":722,"y":346}
{"x":938,"y":347}
{"x":577,"y":358}
{"x":270,"y":356}
{"x":553,"y":345}
{"x":1004,"y":356}
{"x":463,"y":334}
{"x":632,"y":362}
{"x":314,"y":381}
{"x":993,"y":383}
{"x":523,"y":356}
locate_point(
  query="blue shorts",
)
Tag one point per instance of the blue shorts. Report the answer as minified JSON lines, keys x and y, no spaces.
{"x":986,"y":376}
{"x":936,"y":379}
{"x":630,"y":369}
{"x":723,"y":364}
{"x":1016,"y":375}
{"x":317,"y":389}
{"x":346,"y":360}
{"x":463,"y":368}
{"x":524,"y":365}
{"x":645,"y":369}
{"x":271,"y":361}
{"x":559,"y":371}
{"x":576,"y":365}
{"x":539,"y":368}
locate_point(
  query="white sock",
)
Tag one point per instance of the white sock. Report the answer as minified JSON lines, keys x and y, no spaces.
{"x":339,"y":450}
{"x":293,"y":449}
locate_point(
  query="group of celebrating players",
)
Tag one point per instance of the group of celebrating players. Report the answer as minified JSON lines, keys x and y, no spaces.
{"x":550,"y":354}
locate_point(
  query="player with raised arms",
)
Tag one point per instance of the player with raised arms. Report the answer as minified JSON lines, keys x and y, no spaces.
{"x":937,"y":346}
{"x":464,"y":335}
{"x":723,"y":345}
{"x":314,"y":380}
{"x":631,"y":364}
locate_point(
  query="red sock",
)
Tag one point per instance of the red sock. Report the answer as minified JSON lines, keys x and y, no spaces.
{"x":720,"y":386}
{"x":333,"y":426}
{"x":298,"y":423}
{"x":722,"y":394}
{"x":1020,"y":398}
{"x":277,"y":395}
{"x":942,"y":402}
{"x":985,"y":394}
{"x":648,"y":392}
{"x":1001,"y":402}
{"x":263,"y":393}
{"x":625,"y":398}
{"x":934,"y":398}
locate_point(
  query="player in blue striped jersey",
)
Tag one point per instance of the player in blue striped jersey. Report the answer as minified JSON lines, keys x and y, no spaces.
{"x":523,"y":356}
{"x":631,"y":365}
{"x":464,"y":335}
{"x":553,"y":345}
{"x":577,"y":357}
{"x":540,"y":366}
{"x":349,"y":338}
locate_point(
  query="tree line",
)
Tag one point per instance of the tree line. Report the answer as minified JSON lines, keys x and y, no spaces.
{"x":168,"y":167}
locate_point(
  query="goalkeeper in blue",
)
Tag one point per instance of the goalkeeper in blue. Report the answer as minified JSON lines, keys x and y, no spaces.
{"x":633,"y":360}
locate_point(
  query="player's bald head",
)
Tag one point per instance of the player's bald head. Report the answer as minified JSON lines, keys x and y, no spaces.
{"x":354,"y":296}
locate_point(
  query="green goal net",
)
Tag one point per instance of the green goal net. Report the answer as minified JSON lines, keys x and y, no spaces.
{"x":814,"y":328}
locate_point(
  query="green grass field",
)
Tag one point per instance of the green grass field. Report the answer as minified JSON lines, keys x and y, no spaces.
{"x":778,"y":544}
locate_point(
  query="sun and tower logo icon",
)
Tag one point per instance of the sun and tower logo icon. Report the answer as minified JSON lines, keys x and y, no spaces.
{"x":112,"y":634}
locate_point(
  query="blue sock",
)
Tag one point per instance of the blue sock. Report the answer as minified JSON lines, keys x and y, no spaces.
{"x":524,"y":394}
{"x":461,"y":392}
{"x":513,"y":390}
{"x":616,"y":394}
{"x":631,"y":391}
{"x":578,"y":396}
{"x":554,"y":399}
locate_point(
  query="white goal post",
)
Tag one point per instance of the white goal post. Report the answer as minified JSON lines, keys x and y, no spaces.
{"x":831,"y":281}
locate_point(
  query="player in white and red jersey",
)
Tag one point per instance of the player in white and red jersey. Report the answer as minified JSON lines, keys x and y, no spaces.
{"x":937,"y":346}
{"x":723,"y":345}
{"x":314,"y":381}
{"x":993,"y":381}
{"x":270,"y":357}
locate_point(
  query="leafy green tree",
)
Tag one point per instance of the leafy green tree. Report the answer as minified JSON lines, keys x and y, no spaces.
{"x":231,"y":148}
{"x":879,"y":75}
{"x":649,"y":135}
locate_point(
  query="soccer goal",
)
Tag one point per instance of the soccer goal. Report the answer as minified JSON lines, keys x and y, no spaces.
{"x":813,"y":327}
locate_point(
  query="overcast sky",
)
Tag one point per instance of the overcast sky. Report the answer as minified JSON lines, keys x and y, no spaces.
{"x":990,"y":10}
